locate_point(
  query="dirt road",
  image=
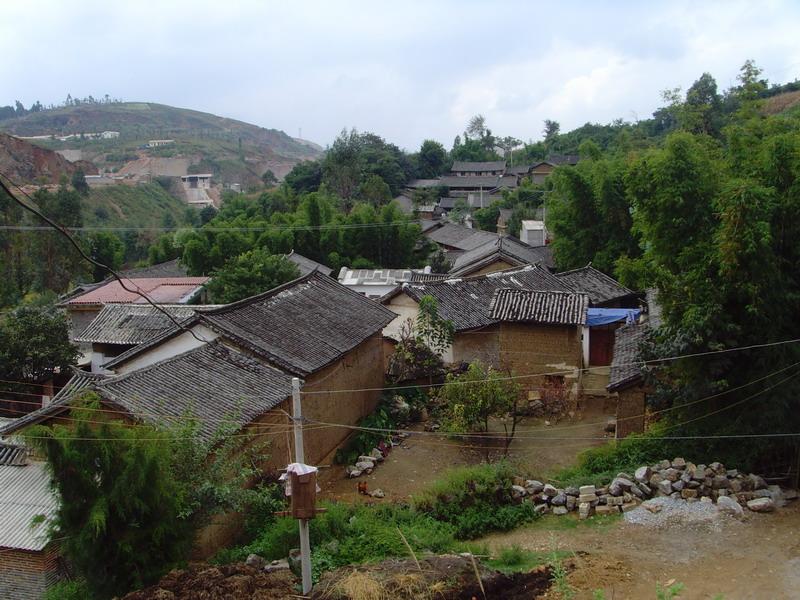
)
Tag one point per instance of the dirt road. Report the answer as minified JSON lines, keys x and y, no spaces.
{"x":756,"y":559}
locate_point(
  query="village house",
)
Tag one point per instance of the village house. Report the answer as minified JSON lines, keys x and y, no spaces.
{"x":541,"y":170}
{"x":376,"y":283}
{"x":29,"y":564}
{"x":503,"y":252}
{"x":197,"y":190}
{"x":120,"y":327}
{"x":84,"y":307}
{"x":306,"y":265}
{"x":463,"y":168}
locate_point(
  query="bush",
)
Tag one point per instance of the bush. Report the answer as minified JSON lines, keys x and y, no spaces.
{"x":68,"y":590}
{"x":364,"y":441}
{"x":475,"y":500}
{"x":600,"y":465}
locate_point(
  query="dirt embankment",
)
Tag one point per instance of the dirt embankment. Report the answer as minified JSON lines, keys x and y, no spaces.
{"x":26,"y":163}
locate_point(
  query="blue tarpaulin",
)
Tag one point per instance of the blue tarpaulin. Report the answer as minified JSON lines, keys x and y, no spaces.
{"x":605,"y":316}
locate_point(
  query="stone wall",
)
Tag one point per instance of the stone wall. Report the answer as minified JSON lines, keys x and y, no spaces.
{"x":26,"y":575}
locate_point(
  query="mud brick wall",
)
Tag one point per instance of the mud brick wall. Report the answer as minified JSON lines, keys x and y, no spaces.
{"x":630,"y":411}
{"x":478,"y":344}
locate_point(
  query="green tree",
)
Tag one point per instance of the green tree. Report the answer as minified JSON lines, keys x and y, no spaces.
{"x":342,"y":167}
{"x":79,"y":182}
{"x":432,"y":159}
{"x":306,"y":176}
{"x":106,"y":248}
{"x":251,"y":273}
{"x":34,"y":344}
{"x":486,"y":218}
{"x":268,"y":178}
{"x":375,"y":191}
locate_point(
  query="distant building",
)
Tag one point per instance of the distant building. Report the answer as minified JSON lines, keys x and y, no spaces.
{"x":478,"y":169}
{"x":196,"y":187}
{"x":376,"y":283}
{"x":533,"y":233}
{"x":109,"y":135}
{"x":158,"y":143}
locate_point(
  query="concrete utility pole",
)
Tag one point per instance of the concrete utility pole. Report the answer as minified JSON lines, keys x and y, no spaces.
{"x":299,"y":457}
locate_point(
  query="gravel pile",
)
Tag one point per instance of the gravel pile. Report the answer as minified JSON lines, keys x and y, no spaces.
{"x":666,"y":513}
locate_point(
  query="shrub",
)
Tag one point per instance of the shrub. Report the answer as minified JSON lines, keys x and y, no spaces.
{"x":68,"y":590}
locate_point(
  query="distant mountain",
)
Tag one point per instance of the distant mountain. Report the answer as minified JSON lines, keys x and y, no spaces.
{"x":235,"y":151}
{"x":24,"y":162}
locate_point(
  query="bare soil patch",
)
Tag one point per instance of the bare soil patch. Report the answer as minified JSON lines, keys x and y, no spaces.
{"x":756,"y":558}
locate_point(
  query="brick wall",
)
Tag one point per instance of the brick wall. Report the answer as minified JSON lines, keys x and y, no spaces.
{"x":630,"y":411}
{"x":530,"y":349}
{"x":26,"y":575}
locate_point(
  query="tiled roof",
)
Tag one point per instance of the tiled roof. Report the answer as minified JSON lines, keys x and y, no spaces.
{"x":25,"y":495}
{"x":600,"y":287}
{"x":624,"y":370}
{"x":503,"y":247}
{"x":422,"y":183}
{"x":303,"y":325}
{"x":459,"y":236}
{"x":165,"y":290}
{"x":487,"y":182}
{"x":375,"y":276}
{"x":214,"y":383}
{"x":462,"y":165}
{"x":306,"y":265}
{"x":545,"y":307}
{"x":134,"y":323}
{"x":518,"y":169}
{"x":80,"y":381}
{"x":12,"y":455}
{"x":417,"y":277}
{"x":466,"y":301}
{"x":170,"y":268}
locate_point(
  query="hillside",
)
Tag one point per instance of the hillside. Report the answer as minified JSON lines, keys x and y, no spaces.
{"x":140,"y":206}
{"x":24,"y":162}
{"x":236,"y":152}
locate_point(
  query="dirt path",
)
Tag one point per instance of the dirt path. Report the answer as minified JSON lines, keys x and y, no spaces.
{"x":538,"y":448}
{"x":758,"y":558}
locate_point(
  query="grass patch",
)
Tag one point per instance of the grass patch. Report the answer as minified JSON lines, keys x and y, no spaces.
{"x":600,"y":465}
{"x":516,"y":560}
{"x":465,"y":505}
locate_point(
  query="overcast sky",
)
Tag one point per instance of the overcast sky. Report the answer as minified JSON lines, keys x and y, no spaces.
{"x":405,"y":70}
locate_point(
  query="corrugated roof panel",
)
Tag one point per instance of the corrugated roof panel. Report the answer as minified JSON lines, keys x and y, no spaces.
{"x":24,"y":495}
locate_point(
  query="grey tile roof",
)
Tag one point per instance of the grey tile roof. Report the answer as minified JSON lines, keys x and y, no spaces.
{"x":503,"y":247}
{"x":303,"y":325}
{"x":518,"y":169}
{"x":463,"y":165}
{"x":487,"y":182}
{"x":25,"y":494}
{"x":306,"y":265}
{"x":600,"y":287}
{"x":545,"y":307}
{"x":214,"y":383}
{"x":624,"y":370}
{"x":133,"y":324}
{"x":466,"y":301}
{"x":417,"y":277}
{"x":458,"y":236}
{"x":12,"y":455}
{"x":563,"y":159}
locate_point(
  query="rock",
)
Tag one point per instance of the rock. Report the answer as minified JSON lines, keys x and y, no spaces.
{"x":625,"y":483}
{"x":777,"y":495}
{"x":584,"y":510}
{"x":587,"y":489}
{"x":676,"y":496}
{"x":363,"y":465}
{"x":614,"y":500}
{"x":590,"y":498}
{"x":645,"y":489}
{"x":651,"y":506}
{"x":636,"y":491}
{"x":367,"y":458}
{"x":731,"y":473}
{"x":720,"y":482}
{"x":655,"y":479}
{"x":377,"y":455}
{"x":615,"y":489}
{"x":255,"y":561}
{"x":517,"y":492}
{"x":603,"y":499}
{"x":717,"y":467}
{"x":678,"y":463}
{"x":541,"y":509}
{"x":643,"y":474}
{"x":729,"y":506}
{"x":671,"y":474}
{"x":687,"y":493}
{"x":559,"y":499}
{"x":761,"y":505}
{"x":276,"y":565}
{"x":606,"y":509}
{"x":693,"y":485}
{"x":763,"y":493}
{"x":560,"y":510}
{"x":377,"y":493}
{"x":353,"y":473}
{"x":533,"y":486}
{"x":707,"y":500}
{"x":549,"y":490}
{"x":572,"y":491}
{"x":664,"y":464}
{"x":572,"y":503}
{"x":678,"y":486}
{"x":664,"y":487}
{"x":518,"y":481}
{"x":630,"y":506}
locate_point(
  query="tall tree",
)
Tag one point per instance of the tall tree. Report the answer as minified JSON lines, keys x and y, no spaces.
{"x":248,"y":274}
{"x":432,"y":159}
